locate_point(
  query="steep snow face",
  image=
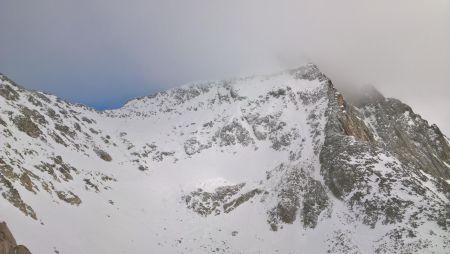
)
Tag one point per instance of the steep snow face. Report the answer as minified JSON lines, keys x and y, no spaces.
{"x":263,"y":164}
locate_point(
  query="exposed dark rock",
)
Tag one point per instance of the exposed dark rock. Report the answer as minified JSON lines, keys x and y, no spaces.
{"x":7,"y":171}
{"x":34,"y":101}
{"x":65,"y":130}
{"x":230,"y":206}
{"x":58,"y":139}
{"x":160,"y":156}
{"x":351,"y":158}
{"x":234,"y":133}
{"x":25,"y":124}
{"x":315,"y":201}
{"x":52,"y":114}
{"x":8,"y":244}
{"x":103,"y":155}
{"x":9,"y":93}
{"x":351,"y":124}
{"x":69,"y":197}
{"x":91,"y":185}
{"x":205,"y":203}
{"x":77,"y":127}
{"x":60,"y":166}
{"x":94,"y":131}
{"x":34,"y":114}
{"x":309,"y":72}
{"x":6,"y":235}
{"x":21,"y":249}
{"x":272,"y":128}
{"x":192,"y":146}
{"x":143,"y":168}
{"x":2,"y":122}
{"x":87,"y":120}
{"x":26,"y":182}
{"x":409,"y":137}
{"x":181,"y":95}
{"x":43,"y":97}
{"x":278,"y":93}
{"x":12,"y":196}
{"x":296,"y":190}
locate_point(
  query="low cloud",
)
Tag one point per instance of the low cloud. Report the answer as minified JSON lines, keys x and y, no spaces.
{"x":103,"y":52}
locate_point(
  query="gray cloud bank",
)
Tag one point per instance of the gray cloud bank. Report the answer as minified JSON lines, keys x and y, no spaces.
{"x":102,"y":52}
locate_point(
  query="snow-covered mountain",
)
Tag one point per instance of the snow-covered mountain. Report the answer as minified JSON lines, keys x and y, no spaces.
{"x":280,"y":163}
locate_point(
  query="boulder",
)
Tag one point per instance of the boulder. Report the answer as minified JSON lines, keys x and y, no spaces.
{"x":8,"y":244}
{"x":20,"y":249}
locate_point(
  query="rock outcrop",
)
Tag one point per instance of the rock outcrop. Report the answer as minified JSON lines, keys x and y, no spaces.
{"x":8,"y":244}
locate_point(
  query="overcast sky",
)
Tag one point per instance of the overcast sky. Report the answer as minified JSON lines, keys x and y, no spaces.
{"x":103,"y":52}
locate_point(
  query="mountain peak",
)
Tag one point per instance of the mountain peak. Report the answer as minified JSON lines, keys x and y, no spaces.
{"x":286,"y":153}
{"x":309,"y":71}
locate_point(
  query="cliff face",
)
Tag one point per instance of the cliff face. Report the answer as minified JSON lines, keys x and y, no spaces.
{"x":389,"y":166}
{"x":8,"y":244}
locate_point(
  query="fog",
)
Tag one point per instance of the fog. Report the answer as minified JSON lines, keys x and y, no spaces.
{"x":103,"y":52}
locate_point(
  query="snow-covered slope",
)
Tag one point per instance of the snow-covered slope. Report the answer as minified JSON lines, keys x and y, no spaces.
{"x":265,"y":164}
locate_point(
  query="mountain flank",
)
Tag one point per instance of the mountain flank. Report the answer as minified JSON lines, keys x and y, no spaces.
{"x":262,"y":164}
